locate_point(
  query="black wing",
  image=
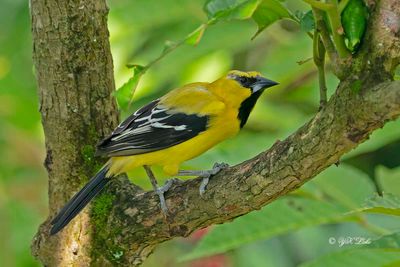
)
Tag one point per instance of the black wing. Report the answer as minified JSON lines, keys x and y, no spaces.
{"x":151,"y":128}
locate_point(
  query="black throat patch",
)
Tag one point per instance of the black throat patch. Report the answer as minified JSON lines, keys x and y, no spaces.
{"x":247,"y":106}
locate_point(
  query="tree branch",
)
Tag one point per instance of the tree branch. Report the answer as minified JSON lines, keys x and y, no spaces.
{"x":320,"y":5}
{"x":319,"y":61}
{"x":337,"y":31}
{"x":326,"y":39}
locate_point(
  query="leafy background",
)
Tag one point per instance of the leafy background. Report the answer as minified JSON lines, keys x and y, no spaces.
{"x":318,"y":225}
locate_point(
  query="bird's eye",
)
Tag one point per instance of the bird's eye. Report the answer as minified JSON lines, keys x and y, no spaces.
{"x":243,"y":80}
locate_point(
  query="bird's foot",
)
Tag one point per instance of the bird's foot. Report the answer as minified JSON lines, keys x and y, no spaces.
{"x":206,"y":175}
{"x":160,"y":191}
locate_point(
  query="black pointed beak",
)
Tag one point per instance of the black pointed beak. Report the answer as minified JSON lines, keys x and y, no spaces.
{"x":262,"y":83}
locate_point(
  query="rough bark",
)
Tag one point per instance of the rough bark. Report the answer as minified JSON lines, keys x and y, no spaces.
{"x":74,"y":73}
{"x":126,"y":223}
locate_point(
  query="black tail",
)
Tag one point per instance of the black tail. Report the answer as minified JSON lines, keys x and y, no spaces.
{"x":80,"y":200}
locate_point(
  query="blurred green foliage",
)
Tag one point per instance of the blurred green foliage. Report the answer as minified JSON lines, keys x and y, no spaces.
{"x":291,"y":231}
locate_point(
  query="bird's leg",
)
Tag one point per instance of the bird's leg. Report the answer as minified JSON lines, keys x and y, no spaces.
{"x":205,"y":174}
{"x":159,"y":190}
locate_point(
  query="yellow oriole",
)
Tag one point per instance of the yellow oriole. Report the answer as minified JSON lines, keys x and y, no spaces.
{"x":177,"y":127}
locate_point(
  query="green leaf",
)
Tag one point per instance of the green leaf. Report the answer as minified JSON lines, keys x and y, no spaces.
{"x":267,"y":13}
{"x":355,"y":258}
{"x":125,"y":93}
{"x":383,"y":251}
{"x":136,"y":68}
{"x":194,"y":37}
{"x":386,"y":241}
{"x":346,"y":185}
{"x":307,"y":22}
{"x":230,"y":9}
{"x":388,"y":179}
{"x":354,"y":21}
{"x":393,"y":264}
{"x":386,"y":204}
{"x":282,"y":216}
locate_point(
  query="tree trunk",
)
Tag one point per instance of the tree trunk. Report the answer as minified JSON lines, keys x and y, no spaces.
{"x":74,"y":72}
{"x":75,"y":79}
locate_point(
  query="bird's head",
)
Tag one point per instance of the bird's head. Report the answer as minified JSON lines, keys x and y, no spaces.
{"x":237,"y":86}
{"x":251,"y":80}
{"x":241,"y":90}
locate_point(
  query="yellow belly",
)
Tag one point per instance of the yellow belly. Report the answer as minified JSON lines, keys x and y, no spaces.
{"x":220,"y":128}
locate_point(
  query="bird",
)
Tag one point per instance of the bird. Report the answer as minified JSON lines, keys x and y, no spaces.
{"x":170,"y":130}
